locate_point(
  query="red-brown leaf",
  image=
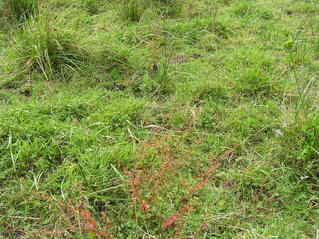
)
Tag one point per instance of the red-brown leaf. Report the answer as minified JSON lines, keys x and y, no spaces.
{"x":167,"y":223}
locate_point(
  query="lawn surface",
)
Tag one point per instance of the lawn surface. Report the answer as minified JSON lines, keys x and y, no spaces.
{"x":159,"y":119}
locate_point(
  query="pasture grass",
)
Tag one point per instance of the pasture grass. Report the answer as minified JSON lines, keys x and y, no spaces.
{"x":159,"y":119}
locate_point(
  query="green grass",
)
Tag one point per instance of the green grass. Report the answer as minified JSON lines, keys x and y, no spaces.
{"x":159,"y":119}
{"x":48,"y":50}
{"x":21,"y":10}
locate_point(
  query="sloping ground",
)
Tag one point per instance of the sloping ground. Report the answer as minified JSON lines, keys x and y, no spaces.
{"x":193,"y":119}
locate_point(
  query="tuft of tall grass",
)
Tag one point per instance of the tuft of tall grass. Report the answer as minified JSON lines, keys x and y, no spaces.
{"x":52,"y":51}
{"x":132,"y":10}
{"x":301,"y":148}
{"x":158,"y":82}
{"x":21,"y":10}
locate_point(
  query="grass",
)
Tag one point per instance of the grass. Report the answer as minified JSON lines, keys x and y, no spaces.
{"x":21,"y":10}
{"x":150,"y":119}
{"x":40,"y":48}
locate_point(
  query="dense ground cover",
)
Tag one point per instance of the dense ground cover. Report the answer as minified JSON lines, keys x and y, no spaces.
{"x":159,"y":119}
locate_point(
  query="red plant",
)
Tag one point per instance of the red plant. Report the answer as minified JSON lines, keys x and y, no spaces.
{"x":88,"y":222}
{"x":202,"y":182}
{"x":146,"y":183}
